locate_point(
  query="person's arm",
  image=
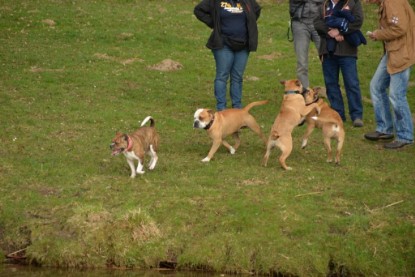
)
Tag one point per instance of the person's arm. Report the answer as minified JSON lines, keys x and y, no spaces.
{"x":397,"y":22}
{"x":320,"y":25}
{"x":257,"y":9}
{"x":202,"y":11}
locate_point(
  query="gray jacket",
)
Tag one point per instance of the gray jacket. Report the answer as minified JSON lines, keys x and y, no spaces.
{"x":305,"y":10}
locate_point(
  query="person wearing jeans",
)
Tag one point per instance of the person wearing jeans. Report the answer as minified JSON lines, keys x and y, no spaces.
{"x":332,"y":65}
{"x":234,"y":35}
{"x":229,"y":63}
{"x":302,"y":15}
{"x":392,"y":113}
{"x":343,"y":58}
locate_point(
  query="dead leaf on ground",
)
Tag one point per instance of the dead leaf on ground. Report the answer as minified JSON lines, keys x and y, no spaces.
{"x":36,"y":69}
{"x":49,"y":22}
{"x":117,"y":60}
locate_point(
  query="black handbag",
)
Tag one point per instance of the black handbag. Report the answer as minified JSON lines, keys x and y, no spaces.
{"x":234,"y":43}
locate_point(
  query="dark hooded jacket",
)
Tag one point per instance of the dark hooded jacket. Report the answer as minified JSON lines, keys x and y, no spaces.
{"x":208,"y":11}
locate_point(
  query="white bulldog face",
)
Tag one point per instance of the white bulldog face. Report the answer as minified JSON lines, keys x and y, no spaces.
{"x":202,"y":118}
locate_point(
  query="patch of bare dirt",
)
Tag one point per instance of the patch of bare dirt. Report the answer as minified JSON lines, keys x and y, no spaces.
{"x":166,"y":65}
{"x":36,"y":69}
{"x":270,"y":57}
{"x":49,"y":22}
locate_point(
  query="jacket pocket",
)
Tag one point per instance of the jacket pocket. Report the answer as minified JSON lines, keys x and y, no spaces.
{"x":398,"y":54}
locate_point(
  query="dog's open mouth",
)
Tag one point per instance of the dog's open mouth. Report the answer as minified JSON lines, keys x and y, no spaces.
{"x":116,"y":152}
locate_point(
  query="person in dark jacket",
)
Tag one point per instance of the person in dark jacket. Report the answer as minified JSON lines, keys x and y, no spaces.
{"x":234,"y":35}
{"x":343,"y":58}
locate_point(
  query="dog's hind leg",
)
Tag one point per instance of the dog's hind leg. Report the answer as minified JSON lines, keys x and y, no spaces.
{"x":154,"y":158}
{"x":229,"y":147}
{"x":253,"y":125}
{"x":270,"y":145}
{"x":327,"y":145}
{"x":340,"y":142}
{"x":286,"y":149}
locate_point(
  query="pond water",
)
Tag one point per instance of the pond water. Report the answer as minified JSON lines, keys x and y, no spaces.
{"x":29,"y":271}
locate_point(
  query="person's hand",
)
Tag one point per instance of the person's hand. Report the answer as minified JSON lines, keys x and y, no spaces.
{"x":334,"y":33}
{"x":371,"y":35}
{"x":339,"y":38}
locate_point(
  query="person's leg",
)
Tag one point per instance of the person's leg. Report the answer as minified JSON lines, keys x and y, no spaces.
{"x":302,"y":37}
{"x":237,"y":74}
{"x":224,"y":59}
{"x":402,"y":118}
{"x":331,"y":80}
{"x":380,"y":100}
{"x":348,"y":68}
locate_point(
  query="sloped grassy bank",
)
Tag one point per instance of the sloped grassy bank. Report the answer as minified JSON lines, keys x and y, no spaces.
{"x":75,"y":72}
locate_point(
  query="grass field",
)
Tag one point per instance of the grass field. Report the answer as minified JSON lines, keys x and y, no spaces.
{"x":75,"y":72}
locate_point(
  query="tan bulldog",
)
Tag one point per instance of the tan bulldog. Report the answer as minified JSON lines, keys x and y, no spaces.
{"x":293,"y":111}
{"x":221,"y":124}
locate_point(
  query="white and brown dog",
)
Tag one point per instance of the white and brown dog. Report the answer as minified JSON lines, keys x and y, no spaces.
{"x":134,"y":146}
{"x":221,"y":124}
{"x":329,"y":121}
{"x":293,"y":111}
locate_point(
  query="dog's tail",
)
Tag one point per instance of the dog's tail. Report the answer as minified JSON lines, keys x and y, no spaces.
{"x":253,"y":104}
{"x":148,"y":118}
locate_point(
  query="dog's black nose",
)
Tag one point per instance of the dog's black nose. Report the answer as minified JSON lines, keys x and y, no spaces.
{"x":111,"y":145}
{"x":196,"y":124}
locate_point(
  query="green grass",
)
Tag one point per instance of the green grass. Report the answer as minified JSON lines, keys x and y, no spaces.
{"x":66,"y":89}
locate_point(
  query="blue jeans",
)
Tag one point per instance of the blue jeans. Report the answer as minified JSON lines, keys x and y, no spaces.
{"x":331,"y":68}
{"x":400,"y":115}
{"x":303,"y":34}
{"x":229,"y":64}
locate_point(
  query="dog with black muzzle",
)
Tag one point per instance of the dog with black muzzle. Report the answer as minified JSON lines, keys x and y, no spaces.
{"x":224,"y":123}
{"x":329,"y":121}
{"x":134,"y":146}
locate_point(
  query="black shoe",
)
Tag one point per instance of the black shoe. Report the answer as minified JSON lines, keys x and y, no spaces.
{"x":395,"y":144}
{"x":378,"y":136}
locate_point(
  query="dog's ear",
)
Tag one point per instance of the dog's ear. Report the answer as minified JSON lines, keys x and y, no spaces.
{"x":125,"y":137}
{"x":298,"y":83}
{"x":211,"y":113}
{"x":282,"y":82}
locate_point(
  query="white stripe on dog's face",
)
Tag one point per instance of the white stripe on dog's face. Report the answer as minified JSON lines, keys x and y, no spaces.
{"x":199,"y":119}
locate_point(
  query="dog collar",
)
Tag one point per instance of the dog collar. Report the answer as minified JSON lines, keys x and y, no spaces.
{"x":130,"y":144}
{"x":292,"y":92}
{"x":210,"y":124}
{"x":315,"y":101}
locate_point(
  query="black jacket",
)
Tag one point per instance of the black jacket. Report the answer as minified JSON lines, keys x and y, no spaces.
{"x":207,"y":11}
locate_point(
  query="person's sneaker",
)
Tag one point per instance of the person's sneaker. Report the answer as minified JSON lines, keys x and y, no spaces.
{"x":395,"y":144}
{"x":358,"y":123}
{"x":378,"y":136}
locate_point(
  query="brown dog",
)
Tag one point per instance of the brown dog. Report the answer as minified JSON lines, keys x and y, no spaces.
{"x":292,"y":112}
{"x":224,"y":123}
{"x":328,"y":120}
{"x":134,"y":146}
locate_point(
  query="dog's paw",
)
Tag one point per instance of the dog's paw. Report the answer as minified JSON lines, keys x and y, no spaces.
{"x":141,"y":172}
{"x":132,"y":176}
{"x":232,"y":150}
{"x":206,"y":160}
{"x":304,"y":143}
{"x":314,"y":117}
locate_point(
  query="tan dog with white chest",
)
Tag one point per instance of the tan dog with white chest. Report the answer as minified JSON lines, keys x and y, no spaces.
{"x":134,"y":146}
{"x":329,"y":121}
{"x":292,"y":112}
{"x":221,"y":124}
